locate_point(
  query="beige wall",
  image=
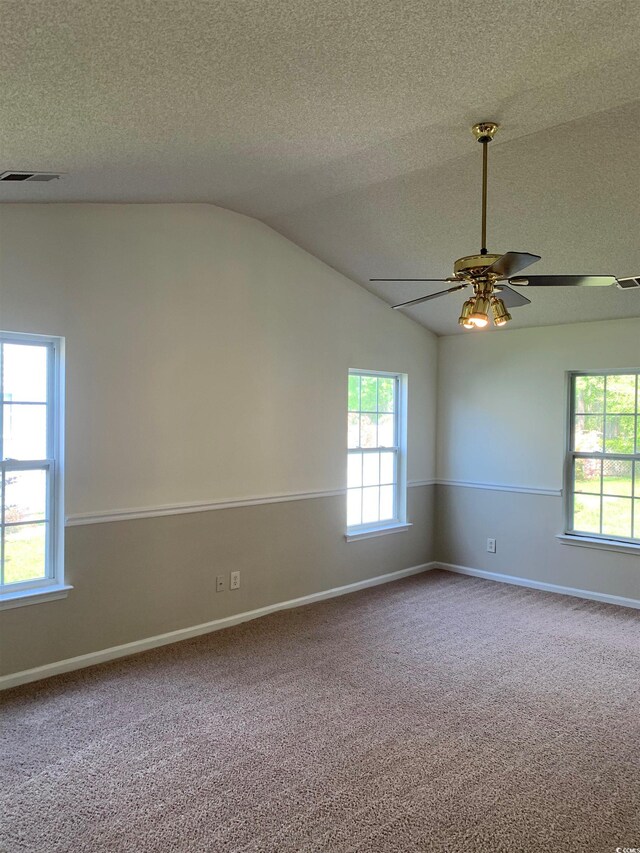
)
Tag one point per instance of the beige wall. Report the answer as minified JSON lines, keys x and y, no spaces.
{"x":206,"y":361}
{"x":502,"y":411}
{"x":525,"y":527}
{"x":140,"y":578}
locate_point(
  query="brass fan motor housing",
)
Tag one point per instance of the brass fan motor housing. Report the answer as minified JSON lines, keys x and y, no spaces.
{"x":473,"y":265}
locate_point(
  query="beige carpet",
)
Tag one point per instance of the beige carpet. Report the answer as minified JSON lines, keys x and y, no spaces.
{"x":438,"y":713}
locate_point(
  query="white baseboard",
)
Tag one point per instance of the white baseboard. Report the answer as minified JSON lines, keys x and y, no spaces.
{"x":93,"y":658}
{"x":545,"y":587}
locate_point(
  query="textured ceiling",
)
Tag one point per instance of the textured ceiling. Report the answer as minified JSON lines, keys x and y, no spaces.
{"x":345,"y":125}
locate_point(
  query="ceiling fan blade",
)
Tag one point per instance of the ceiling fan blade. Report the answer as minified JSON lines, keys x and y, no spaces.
{"x":511,"y":263}
{"x":511,"y":298}
{"x":564,"y":281}
{"x":411,"y":279}
{"x":628,"y":283}
{"x":431,"y":296}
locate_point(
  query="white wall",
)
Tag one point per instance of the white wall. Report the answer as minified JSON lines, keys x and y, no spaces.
{"x":502,"y":403}
{"x":206,"y":361}
{"x":502,"y":419}
{"x":207,"y":356}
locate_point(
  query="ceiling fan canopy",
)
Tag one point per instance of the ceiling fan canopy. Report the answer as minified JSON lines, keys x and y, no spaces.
{"x":491,"y":275}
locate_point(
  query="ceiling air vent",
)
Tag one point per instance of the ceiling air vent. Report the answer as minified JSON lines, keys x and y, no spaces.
{"x":29,"y":176}
{"x":627,"y":283}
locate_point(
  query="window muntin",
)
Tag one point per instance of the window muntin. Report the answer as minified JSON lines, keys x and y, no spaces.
{"x":603,"y":470}
{"x":374,"y":431}
{"x":30,"y":475}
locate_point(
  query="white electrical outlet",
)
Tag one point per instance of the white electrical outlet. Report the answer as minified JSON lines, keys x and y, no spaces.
{"x":491,"y":546}
{"x":219,"y":583}
{"x":235,"y":580}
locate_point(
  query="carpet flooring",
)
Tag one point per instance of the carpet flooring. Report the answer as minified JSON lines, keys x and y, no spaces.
{"x":437,"y":713}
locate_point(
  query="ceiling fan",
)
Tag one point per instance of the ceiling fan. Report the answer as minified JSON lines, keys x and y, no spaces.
{"x":491,"y":275}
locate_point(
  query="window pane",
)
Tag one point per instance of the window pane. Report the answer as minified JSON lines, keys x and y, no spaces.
{"x":387,"y":468}
{"x":587,"y":475}
{"x":386,"y":503}
{"x":25,"y":496}
{"x":386,"y":395}
{"x":617,"y":477}
{"x":621,"y":394}
{"x":370,"y":505}
{"x":25,"y":431}
{"x":24,"y":553}
{"x":354,"y":470}
{"x":354,"y":507}
{"x":620,"y":434}
{"x":588,"y":433}
{"x":353,"y":436}
{"x":24,"y":373}
{"x":372,"y":423}
{"x":607,"y":420}
{"x":616,"y":517}
{"x":386,"y":430}
{"x":368,"y":430}
{"x":589,"y":394}
{"x":369,"y":394}
{"x":636,"y":519}
{"x":586,"y":513}
{"x":354,"y":393}
{"x":371,"y":469}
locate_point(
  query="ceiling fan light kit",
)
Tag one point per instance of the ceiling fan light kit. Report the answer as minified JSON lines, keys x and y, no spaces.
{"x":465,"y":315}
{"x":480,"y":314}
{"x":486,"y":272}
{"x":500,"y":314}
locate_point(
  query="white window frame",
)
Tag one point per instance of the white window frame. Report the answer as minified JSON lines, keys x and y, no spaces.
{"x":399,"y":521}
{"x":53,"y":585}
{"x":571,"y":455}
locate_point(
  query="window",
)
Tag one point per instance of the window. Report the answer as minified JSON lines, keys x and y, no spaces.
{"x":31,"y":520}
{"x":603,"y":464}
{"x":376,"y":482}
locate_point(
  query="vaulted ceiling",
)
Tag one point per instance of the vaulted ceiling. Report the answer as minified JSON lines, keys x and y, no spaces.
{"x":345,"y":126}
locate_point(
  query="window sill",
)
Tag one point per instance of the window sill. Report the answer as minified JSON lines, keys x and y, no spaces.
{"x":377,"y":531}
{"x":602,"y":544}
{"x":33,"y":596}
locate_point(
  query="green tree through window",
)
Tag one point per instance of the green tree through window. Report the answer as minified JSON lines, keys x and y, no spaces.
{"x":604,"y":455}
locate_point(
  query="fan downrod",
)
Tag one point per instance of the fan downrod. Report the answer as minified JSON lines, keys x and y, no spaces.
{"x":484,"y":132}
